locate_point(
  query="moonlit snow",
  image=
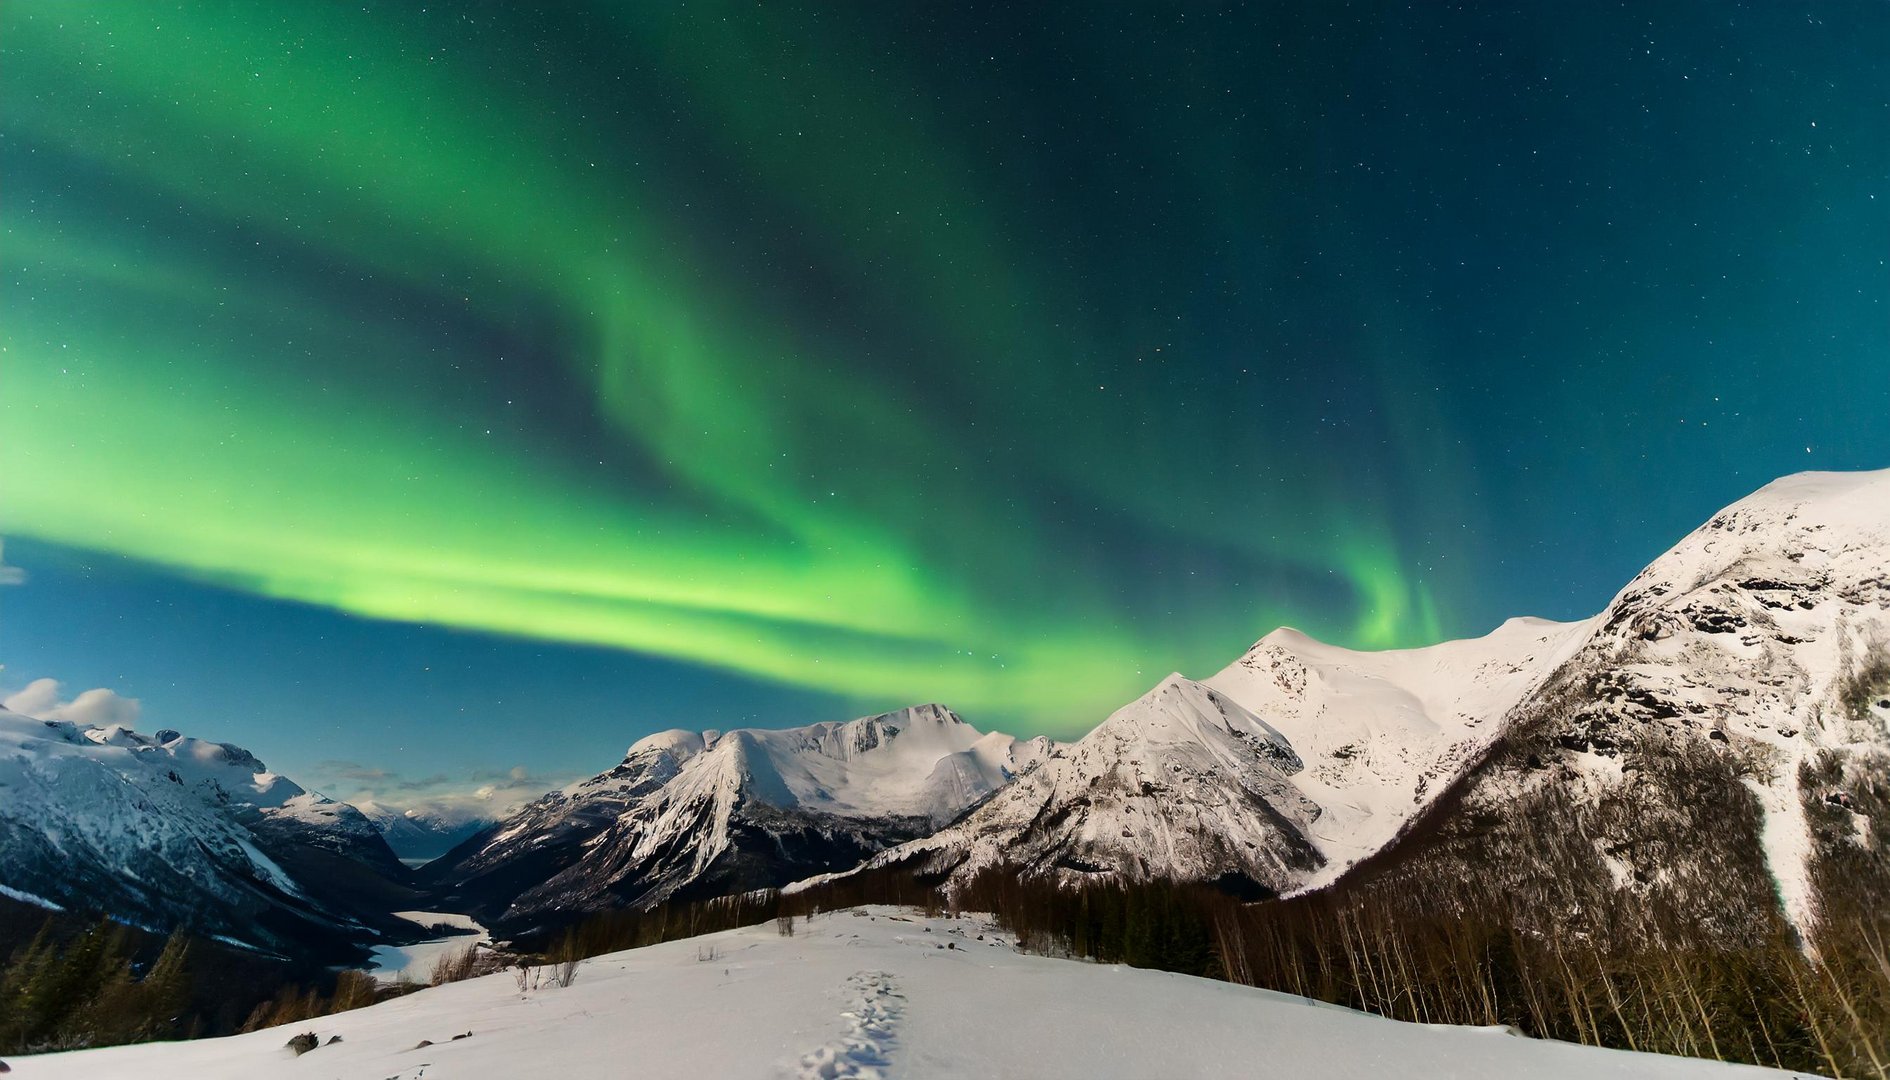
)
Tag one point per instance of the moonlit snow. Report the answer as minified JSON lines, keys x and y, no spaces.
{"x":864,"y":993}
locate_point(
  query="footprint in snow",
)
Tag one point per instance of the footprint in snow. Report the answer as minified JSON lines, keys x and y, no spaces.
{"x":864,"y":1051}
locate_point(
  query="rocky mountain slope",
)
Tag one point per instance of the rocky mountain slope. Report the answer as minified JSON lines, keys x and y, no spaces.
{"x":687,"y":815}
{"x":1717,"y":752}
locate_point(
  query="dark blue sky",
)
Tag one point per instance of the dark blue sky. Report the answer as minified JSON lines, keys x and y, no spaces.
{"x":439,"y":394}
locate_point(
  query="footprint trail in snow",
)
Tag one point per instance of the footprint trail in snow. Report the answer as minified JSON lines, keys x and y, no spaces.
{"x":864,"y":1052}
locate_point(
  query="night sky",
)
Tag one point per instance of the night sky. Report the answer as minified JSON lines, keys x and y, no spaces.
{"x":428,"y":397}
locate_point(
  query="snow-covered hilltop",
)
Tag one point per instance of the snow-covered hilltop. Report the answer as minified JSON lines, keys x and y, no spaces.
{"x":1181,"y":783}
{"x":1382,"y":734}
{"x":165,"y":830}
{"x":864,"y":993}
{"x":688,"y":815}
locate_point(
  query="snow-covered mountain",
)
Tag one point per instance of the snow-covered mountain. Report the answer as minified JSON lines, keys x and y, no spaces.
{"x":164,"y":830}
{"x":1279,"y":772}
{"x":1300,"y":760}
{"x":1722,"y":721}
{"x":1383,"y":733}
{"x":688,"y":814}
{"x":1714,"y":743}
{"x":418,"y":836}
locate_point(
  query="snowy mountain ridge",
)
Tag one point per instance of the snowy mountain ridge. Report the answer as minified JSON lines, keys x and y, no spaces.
{"x":689,"y":813}
{"x":418,"y":836}
{"x":1277,"y":773}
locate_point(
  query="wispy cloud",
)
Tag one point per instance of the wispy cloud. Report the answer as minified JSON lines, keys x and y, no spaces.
{"x":44,"y":699}
{"x":9,"y":575}
{"x":477,"y":793}
{"x":454,"y":797}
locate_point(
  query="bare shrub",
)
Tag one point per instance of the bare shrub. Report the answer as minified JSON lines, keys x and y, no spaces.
{"x":457,"y":965}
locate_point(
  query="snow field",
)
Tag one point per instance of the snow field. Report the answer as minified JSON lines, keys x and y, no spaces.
{"x":863,"y":993}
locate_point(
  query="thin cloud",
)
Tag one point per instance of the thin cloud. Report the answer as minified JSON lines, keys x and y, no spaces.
{"x":477,"y":794}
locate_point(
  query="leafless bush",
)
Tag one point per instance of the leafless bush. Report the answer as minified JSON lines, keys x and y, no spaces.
{"x":457,"y":965}
{"x":564,"y":972}
{"x":784,"y":925}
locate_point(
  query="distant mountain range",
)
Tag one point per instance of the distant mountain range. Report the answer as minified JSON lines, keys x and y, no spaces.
{"x":418,"y":837}
{"x":1754,"y":651}
{"x":689,"y":815}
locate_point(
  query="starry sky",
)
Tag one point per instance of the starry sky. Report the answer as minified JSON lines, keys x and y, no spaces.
{"x":437,"y":395}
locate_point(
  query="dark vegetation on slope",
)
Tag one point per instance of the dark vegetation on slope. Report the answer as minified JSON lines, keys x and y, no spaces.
{"x":1415,"y":939}
{"x":72,"y":980}
{"x":1416,"y":947}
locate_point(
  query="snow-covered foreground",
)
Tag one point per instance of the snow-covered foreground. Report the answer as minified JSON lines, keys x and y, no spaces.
{"x":872,"y":992}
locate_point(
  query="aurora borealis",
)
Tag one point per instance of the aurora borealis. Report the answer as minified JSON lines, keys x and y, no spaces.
{"x":804,"y":360}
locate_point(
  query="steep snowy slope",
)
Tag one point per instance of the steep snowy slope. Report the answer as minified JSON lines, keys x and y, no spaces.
{"x":687,"y":814}
{"x":1181,"y":783}
{"x":165,"y":830}
{"x":1750,"y":633}
{"x":1382,"y":733}
{"x":866,"y":992}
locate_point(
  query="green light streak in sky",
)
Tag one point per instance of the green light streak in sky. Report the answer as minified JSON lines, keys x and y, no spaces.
{"x":814,"y":519}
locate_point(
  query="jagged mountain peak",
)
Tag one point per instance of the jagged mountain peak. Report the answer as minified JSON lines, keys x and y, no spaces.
{"x":741,"y":808}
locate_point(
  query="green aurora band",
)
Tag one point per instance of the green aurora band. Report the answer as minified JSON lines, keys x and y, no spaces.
{"x":737,"y":483}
